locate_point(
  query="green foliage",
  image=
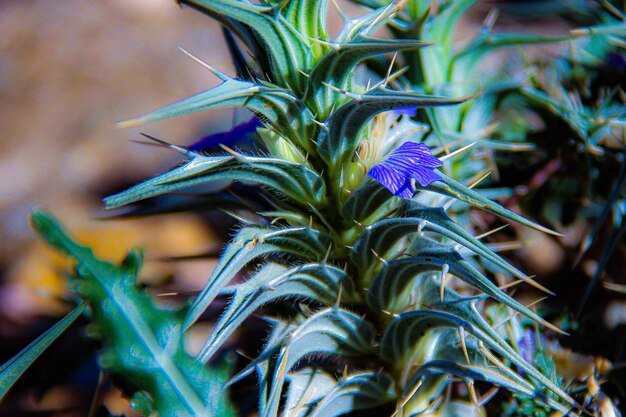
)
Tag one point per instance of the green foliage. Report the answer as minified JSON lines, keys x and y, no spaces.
{"x":346,"y":244}
{"x":143,"y":343}
{"x":12,"y":370}
{"x":524,"y":406}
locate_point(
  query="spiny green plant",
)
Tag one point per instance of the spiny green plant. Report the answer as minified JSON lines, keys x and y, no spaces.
{"x":371,"y":266}
{"x":350,"y":230}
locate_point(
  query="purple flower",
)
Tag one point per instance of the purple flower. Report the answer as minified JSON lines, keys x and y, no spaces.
{"x":411,"y":111}
{"x":240,"y":133}
{"x":409,"y":161}
{"x":616,"y":62}
{"x":526,"y":345}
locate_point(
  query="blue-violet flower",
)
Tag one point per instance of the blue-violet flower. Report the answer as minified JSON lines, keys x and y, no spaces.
{"x":527,"y":346}
{"x":409,"y":111}
{"x":241,"y":133}
{"x":409,"y":161}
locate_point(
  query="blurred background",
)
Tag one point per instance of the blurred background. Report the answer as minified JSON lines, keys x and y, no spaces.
{"x":68,"y":71}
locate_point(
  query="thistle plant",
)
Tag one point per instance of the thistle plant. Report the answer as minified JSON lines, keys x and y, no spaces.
{"x":351,"y":245}
{"x":334,"y":159}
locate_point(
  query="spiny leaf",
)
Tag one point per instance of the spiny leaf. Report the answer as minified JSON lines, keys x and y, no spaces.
{"x":487,"y":42}
{"x":278,"y":107}
{"x":290,"y":179}
{"x":339,"y":139}
{"x":367,"y":203}
{"x":174,"y":203}
{"x":309,"y":19}
{"x":408,"y":328}
{"x":428,"y":294}
{"x":250,"y":243}
{"x":318,"y":282}
{"x":356,"y":392}
{"x":394,"y":282}
{"x":307,"y":387}
{"x":577,"y":117}
{"x":450,"y":187}
{"x":13,"y":369}
{"x":270,"y":35}
{"x":446,"y":227}
{"x":263,"y":363}
{"x":231,"y":92}
{"x":618,"y":29}
{"x":466,"y":308}
{"x":337,"y":66}
{"x":368,"y":23}
{"x":470,"y":373}
{"x":381,"y":236}
{"x":332,"y":331}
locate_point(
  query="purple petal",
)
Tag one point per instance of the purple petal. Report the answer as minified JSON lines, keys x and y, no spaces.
{"x":616,"y":61}
{"x":411,"y":153}
{"x":409,"y":161}
{"x":411,"y":111}
{"x":424,"y":176}
{"x":526,"y":345}
{"x":240,"y":133}
{"x":393,"y":181}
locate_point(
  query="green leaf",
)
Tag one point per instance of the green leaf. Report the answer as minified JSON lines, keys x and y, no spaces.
{"x":290,"y":179}
{"x":381,"y":237}
{"x":405,"y":280}
{"x":12,"y":370}
{"x":372,"y":4}
{"x":340,"y":137}
{"x":143,"y":343}
{"x":308,"y":17}
{"x":173,"y":203}
{"x":263,"y":364}
{"x":404,"y":333}
{"x":566,"y":107}
{"x":231,"y":92}
{"x":331,"y":332}
{"x":337,"y":67}
{"x":469,"y":58}
{"x":273,"y":38}
{"x":431,"y":64}
{"x":455,"y":304}
{"x":278,"y":107}
{"x":396,"y":277}
{"x":250,"y":243}
{"x":406,"y":330}
{"x":450,"y":187}
{"x":471,"y":373}
{"x":356,"y":392}
{"x":307,"y":387}
{"x":368,"y":203}
{"x":367,"y":23}
{"x":318,"y":282}
{"x":618,"y":29}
